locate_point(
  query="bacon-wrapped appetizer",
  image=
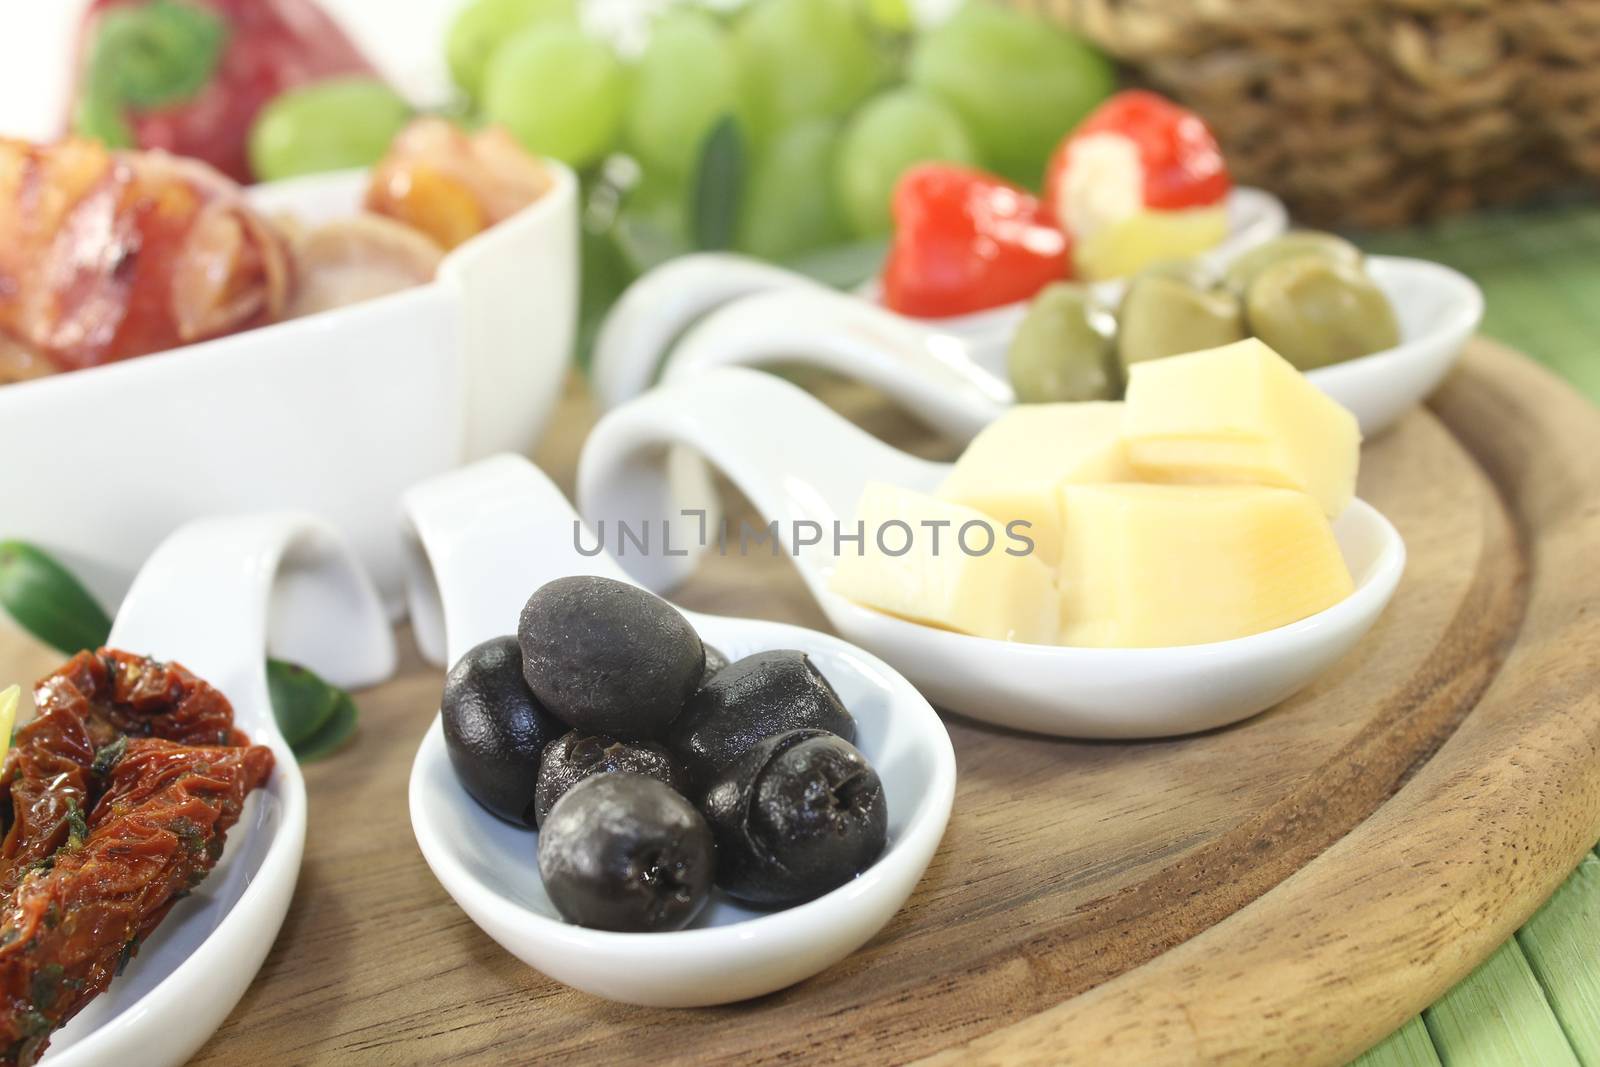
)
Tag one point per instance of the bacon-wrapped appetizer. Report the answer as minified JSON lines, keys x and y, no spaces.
{"x":1139,"y":181}
{"x":107,"y":255}
{"x":452,"y":185}
{"x":436,"y":188}
{"x":118,"y":796}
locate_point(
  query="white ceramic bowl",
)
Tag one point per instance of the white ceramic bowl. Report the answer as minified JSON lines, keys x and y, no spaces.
{"x":660,"y":306}
{"x":336,"y":413}
{"x":958,"y":383}
{"x":488,"y":536}
{"x":215,"y":596}
{"x":809,"y":465}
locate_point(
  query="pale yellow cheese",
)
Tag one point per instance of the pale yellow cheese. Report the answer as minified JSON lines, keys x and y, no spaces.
{"x":1147,"y":566}
{"x":1012,"y":469}
{"x":1147,"y":237}
{"x":985,"y":593}
{"x":1240,"y":414}
{"x":8,"y":717}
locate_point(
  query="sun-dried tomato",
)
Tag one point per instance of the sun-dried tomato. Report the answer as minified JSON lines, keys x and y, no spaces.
{"x":115,"y":814}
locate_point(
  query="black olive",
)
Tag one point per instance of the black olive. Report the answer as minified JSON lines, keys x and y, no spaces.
{"x":574,"y":757}
{"x":624,"y":852}
{"x":609,"y":658}
{"x":758,"y":696}
{"x":495,"y":729}
{"x":716,"y":659}
{"x":800,"y":814}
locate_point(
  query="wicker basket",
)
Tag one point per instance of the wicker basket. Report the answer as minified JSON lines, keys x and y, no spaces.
{"x":1374,"y":112}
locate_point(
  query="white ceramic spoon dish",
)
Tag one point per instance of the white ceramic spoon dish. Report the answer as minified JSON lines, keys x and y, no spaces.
{"x":336,"y":413}
{"x":808,"y":465}
{"x":959,"y":384}
{"x":487,"y":537}
{"x":660,"y":306}
{"x":214,"y":597}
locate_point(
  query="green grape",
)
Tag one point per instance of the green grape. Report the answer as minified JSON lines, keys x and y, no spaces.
{"x":483,"y":26}
{"x":788,"y":200}
{"x":327,"y":125}
{"x":801,"y":59}
{"x":559,"y":92}
{"x":1019,"y":83}
{"x":893,"y":131}
{"x":683,"y":83}
{"x":892,"y":15}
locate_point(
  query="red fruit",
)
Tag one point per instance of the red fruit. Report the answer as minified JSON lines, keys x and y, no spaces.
{"x":1183,"y":166}
{"x":263,"y":48}
{"x":965,"y":241}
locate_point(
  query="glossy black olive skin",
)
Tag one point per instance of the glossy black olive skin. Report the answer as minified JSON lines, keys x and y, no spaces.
{"x":609,"y":658}
{"x":716,"y":659}
{"x":573,"y":757}
{"x":624,"y":852}
{"x":748,"y":701}
{"x":800,"y":814}
{"x":495,"y":729}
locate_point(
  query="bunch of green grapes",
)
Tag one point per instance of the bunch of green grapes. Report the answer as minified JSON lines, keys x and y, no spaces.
{"x":828,"y":102}
{"x":778,"y":128}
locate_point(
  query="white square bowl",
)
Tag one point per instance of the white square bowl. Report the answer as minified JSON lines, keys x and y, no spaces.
{"x":336,"y":413}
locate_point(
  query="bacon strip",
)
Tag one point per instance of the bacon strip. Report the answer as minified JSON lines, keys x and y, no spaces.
{"x":452,"y":185}
{"x":109,"y":255}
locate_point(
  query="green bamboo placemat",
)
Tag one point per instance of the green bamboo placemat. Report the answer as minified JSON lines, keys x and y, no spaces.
{"x":1540,"y":273}
{"x":1536,"y":1001}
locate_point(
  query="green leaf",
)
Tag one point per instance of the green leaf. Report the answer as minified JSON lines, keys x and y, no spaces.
{"x":605,"y":275}
{"x":645,"y":244}
{"x":340,"y":727}
{"x":157,"y":54}
{"x":843,"y":266}
{"x":301,"y":702}
{"x":98,"y":116}
{"x":47,"y":601}
{"x":718,"y":186}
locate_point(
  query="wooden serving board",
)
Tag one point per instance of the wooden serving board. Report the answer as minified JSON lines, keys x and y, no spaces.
{"x":1289,"y":889}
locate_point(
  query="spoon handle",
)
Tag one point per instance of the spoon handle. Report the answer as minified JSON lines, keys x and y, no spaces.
{"x":932,"y":374}
{"x":787,"y":452}
{"x":480,"y":540}
{"x":218,"y":591}
{"x":663,"y":303}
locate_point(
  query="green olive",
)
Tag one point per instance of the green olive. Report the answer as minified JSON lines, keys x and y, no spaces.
{"x":1164,"y":316}
{"x":1064,"y":350}
{"x":1242,"y":271}
{"x":1192,"y":272}
{"x":1314,"y":312}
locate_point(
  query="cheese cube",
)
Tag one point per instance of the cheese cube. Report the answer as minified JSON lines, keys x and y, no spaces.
{"x":1147,"y":566}
{"x":943,"y":579}
{"x":1240,"y":414}
{"x":1012,"y":470}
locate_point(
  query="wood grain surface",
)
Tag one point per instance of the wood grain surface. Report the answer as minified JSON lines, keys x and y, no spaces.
{"x":1285,"y":890}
